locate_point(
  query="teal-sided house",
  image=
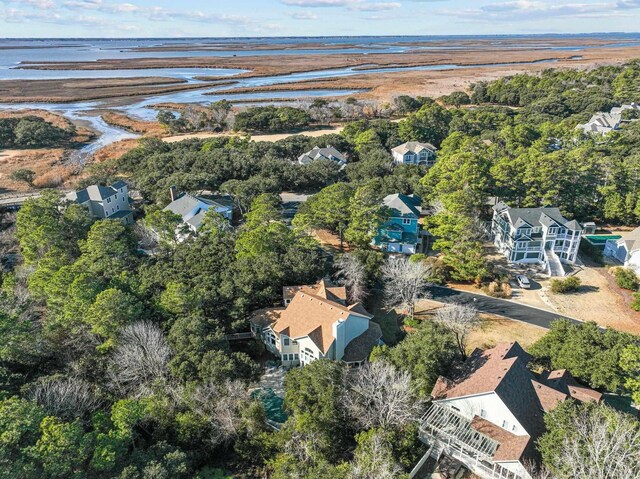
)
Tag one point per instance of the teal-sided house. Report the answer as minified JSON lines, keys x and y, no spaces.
{"x":402,"y":233}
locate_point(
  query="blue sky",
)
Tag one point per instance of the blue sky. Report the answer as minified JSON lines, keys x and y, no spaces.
{"x":164,"y":18}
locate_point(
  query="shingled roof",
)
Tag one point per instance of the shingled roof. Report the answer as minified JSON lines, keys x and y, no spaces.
{"x":503,"y":370}
{"x":403,"y":205}
{"x":535,"y":217}
{"x":312,"y":312}
{"x":414,"y":147}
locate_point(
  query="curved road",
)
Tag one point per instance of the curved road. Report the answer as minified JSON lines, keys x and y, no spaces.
{"x":501,"y":307}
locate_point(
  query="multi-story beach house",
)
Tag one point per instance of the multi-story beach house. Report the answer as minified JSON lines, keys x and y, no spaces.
{"x":192,"y":209}
{"x":536,"y":235}
{"x":490,"y":415}
{"x":327,"y":153}
{"x":316,"y":323}
{"x":402,"y":232}
{"x":110,"y":202}
{"x":414,"y":153}
{"x":602,"y":123}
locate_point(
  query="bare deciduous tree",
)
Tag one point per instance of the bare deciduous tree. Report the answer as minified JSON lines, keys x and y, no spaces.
{"x":461,"y":320}
{"x":140,"y":359}
{"x":603,"y":443}
{"x":374,"y":460}
{"x":147,"y":238}
{"x":304,"y":446}
{"x":379,"y":395}
{"x":351,"y":273}
{"x":220,"y":406}
{"x":404,"y":283}
{"x":68,"y":398}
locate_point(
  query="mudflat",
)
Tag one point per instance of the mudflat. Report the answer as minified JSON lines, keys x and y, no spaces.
{"x":429,"y":69}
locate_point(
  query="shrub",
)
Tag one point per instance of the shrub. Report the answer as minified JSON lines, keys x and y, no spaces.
{"x":626,"y":279}
{"x":498,"y":289}
{"x":635,"y":305}
{"x":568,"y":285}
{"x":456,"y":98}
{"x":411,"y":322}
{"x":24,"y":174}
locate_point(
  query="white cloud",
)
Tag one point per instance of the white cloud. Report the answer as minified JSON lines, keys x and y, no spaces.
{"x":375,"y":7}
{"x":526,"y":10}
{"x":355,"y":5}
{"x":303,"y":15}
{"x":317,"y":3}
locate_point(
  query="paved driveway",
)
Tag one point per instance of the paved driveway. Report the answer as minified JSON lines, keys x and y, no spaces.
{"x":501,"y":307}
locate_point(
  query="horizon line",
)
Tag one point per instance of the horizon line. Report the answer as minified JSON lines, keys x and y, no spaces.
{"x":546,"y":34}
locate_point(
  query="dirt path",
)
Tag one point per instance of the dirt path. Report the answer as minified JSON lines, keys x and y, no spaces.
{"x":276,"y":137}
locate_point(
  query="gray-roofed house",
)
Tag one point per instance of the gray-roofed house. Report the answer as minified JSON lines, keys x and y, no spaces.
{"x":490,"y":414}
{"x":327,"y":153}
{"x":192,"y":209}
{"x":111,"y":202}
{"x":536,"y":235}
{"x":626,"y":250}
{"x":414,"y":153}
{"x":402,"y":232}
{"x":602,"y":123}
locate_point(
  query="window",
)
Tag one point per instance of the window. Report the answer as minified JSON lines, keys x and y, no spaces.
{"x":294,"y":342}
{"x":406,"y":221}
{"x":285,"y":341}
{"x":522,"y":244}
{"x":505,"y":425}
{"x":108,"y":200}
{"x":296,"y":356}
{"x":553,"y":230}
{"x":483,"y":413}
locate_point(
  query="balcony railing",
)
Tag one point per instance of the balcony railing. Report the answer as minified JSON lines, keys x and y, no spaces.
{"x":453,"y":435}
{"x":447,"y":424}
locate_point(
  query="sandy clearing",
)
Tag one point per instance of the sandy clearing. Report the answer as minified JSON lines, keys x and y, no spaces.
{"x":275,"y":137}
{"x":599,"y":300}
{"x":496,"y":329}
{"x":493,"y":330}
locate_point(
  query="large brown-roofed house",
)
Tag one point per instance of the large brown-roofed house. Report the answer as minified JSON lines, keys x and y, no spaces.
{"x":491,"y":414}
{"x":316,"y":323}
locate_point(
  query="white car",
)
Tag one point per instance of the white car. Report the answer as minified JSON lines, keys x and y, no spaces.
{"x":523,"y":281}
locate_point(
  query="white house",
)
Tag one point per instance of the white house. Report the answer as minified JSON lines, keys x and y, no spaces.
{"x":192,"y":209}
{"x":536,"y":235}
{"x":490,"y":415}
{"x":414,"y":153}
{"x":602,"y":123}
{"x":110,"y":202}
{"x":619,"y":109}
{"x":316,"y":323}
{"x":328,"y":153}
{"x":626,"y":250}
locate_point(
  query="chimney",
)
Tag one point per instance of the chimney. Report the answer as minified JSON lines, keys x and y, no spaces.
{"x":174,"y":192}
